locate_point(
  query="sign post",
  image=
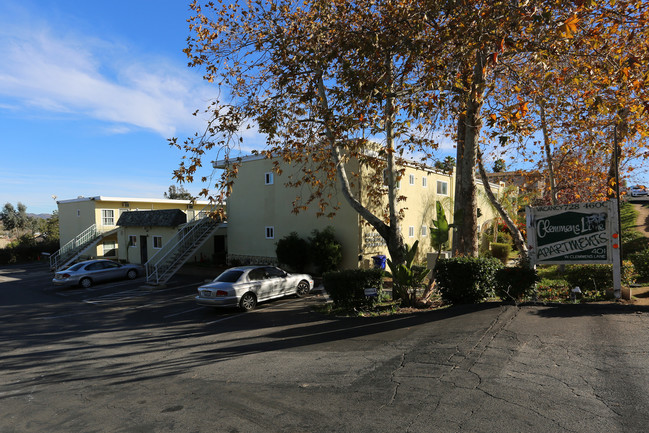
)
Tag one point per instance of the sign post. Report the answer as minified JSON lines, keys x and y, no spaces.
{"x":576,"y":233}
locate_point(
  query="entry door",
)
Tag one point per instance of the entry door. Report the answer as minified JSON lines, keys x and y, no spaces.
{"x":219,"y":250}
{"x":144,"y":255}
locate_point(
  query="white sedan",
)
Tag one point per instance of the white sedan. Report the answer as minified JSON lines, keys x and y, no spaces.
{"x":638,"y":191}
{"x":245,"y":286}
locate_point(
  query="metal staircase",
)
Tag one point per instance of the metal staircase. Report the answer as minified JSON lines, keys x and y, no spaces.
{"x":166,"y":262}
{"x":73,"y":249}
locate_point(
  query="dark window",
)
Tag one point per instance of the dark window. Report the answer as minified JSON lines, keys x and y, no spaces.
{"x":257,"y":274}
{"x":229,"y":276}
{"x":274,"y":272}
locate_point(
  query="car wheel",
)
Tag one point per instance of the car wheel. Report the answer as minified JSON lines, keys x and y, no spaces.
{"x":248,"y":302}
{"x":302,"y":289}
{"x":132,"y":274}
{"x":85,"y":283}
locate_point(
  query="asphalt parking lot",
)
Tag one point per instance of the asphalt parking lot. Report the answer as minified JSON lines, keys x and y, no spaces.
{"x":121,"y":358}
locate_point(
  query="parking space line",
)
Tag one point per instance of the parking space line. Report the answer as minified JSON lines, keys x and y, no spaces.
{"x":183,"y":312}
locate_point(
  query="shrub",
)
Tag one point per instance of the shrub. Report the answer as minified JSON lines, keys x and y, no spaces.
{"x":634,"y":243}
{"x":466,"y":280}
{"x":347,"y":288}
{"x":501,"y":251}
{"x":293,"y":251}
{"x":553,"y":290}
{"x":515,"y":283}
{"x":27,"y":249}
{"x":592,"y":278}
{"x":640,"y":261}
{"x":326,"y":251}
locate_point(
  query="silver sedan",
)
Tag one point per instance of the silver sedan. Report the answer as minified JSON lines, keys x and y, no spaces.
{"x":90,"y":272}
{"x":245,"y":286}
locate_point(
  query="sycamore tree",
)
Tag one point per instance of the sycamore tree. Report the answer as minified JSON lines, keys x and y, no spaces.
{"x":588,"y":99}
{"x":326,"y":82}
{"x":580,"y":84}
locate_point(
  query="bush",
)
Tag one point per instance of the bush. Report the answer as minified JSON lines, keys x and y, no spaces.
{"x":515,"y":283}
{"x":26,"y":249}
{"x":466,"y":280}
{"x":347,"y":288}
{"x":592,"y":278}
{"x":326,"y":251}
{"x":553,"y":290}
{"x":293,"y":251}
{"x":640,"y":261}
{"x":501,"y":251}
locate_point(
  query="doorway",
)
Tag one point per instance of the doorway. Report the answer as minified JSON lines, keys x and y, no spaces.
{"x":144,"y":255}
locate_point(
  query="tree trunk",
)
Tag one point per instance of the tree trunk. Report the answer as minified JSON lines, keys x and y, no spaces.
{"x":519,"y":240}
{"x":389,"y":233}
{"x":548,"y":153}
{"x":465,"y":241}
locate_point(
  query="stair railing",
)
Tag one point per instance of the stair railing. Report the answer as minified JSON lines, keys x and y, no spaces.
{"x":69,"y":249}
{"x":173,"y":251}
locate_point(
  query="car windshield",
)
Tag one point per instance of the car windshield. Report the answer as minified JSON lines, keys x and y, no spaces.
{"x":229,"y":276}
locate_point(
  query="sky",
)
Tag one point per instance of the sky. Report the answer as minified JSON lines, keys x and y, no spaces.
{"x":89,"y":94}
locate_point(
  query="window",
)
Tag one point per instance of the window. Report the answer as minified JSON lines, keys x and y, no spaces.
{"x":424,"y":182}
{"x":442,"y":187}
{"x":257,"y":274}
{"x":268,"y":178}
{"x":157,"y":242}
{"x":270,"y":232}
{"x":412,"y":179}
{"x":132,"y":241}
{"x":424,"y":231}
{"x":108,"y":217}
{"x":411,"y":232}
{"x":110,"y":249}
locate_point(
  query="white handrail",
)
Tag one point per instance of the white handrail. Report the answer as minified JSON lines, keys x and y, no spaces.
{"x":83,"y":238}
{"x":163,"y":260}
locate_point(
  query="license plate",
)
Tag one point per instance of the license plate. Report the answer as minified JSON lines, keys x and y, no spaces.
{"x":207,"y":294}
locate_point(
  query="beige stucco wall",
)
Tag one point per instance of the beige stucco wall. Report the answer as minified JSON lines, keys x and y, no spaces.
{"x":253,"y":206}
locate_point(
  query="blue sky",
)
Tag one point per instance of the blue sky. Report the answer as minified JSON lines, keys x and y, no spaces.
{"x":89,"y":93}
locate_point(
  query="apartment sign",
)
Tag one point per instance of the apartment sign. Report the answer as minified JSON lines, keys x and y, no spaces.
{"x":573,"y":233}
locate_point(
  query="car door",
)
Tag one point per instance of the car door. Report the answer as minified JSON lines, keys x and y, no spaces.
{"x":259,"y":283}
{"x":95,"y":271}
{"x":113,"y":271}
{"x":277,"y":280}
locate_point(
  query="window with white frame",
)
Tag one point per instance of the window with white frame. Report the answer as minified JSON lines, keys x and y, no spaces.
{"x":268,"y":178}
{"x":110,"y":249}
{"x":412,"y":179}
{"x":157,"y":242}
{"x":132,"y":240}
{"x":424,"y":231}
{"x":108,"y":217}
{"x":411,"y":231}
{"x":270,"y":232}
{"x":442,"y":187}
{"x":424,"y":182}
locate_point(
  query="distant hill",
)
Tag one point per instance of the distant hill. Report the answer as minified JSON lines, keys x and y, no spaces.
{"x":43,"y":216}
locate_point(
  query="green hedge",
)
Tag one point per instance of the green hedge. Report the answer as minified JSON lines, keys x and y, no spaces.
{"x":640,"y":261}
{"x":515,"y":283}
{"x":347,"y":288}
{"x":466,"y":280}
{"x":501,"y":251}
{"x":598,"y":277}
